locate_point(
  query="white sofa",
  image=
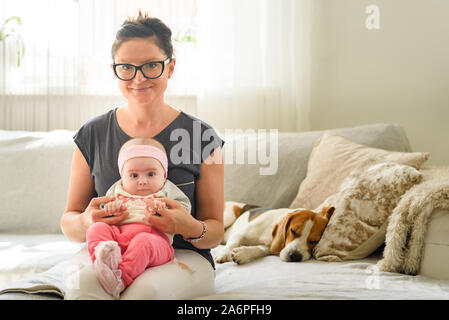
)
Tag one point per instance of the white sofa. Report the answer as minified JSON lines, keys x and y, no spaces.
{"x":34,"y":170}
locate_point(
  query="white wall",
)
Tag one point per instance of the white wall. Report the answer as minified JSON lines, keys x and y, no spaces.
{"x":397,"y":74}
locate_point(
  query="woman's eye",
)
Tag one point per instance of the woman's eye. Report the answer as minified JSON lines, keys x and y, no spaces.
{"x":125,"y":67}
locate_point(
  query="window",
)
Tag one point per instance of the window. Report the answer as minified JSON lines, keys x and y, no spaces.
{"x":68,"y":42}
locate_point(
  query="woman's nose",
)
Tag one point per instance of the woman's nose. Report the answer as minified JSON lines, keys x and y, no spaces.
{"x":139,"y":76}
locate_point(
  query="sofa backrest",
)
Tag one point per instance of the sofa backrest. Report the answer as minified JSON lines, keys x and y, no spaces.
{"x":244,"y":182}
{"x":35,"y":171}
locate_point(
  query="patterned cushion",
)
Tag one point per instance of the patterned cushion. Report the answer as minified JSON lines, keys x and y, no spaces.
{"x":362,"y":206}
{"x":332,"y":160}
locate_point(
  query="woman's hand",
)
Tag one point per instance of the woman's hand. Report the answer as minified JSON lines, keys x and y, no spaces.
{"x":112,"y":213}
{"x":172,"y":218}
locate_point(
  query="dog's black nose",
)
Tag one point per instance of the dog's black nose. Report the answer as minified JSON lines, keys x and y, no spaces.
{"x":295,"y":256}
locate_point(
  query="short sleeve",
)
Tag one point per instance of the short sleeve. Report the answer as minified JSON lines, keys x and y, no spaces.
{"x":210,"y":141}
{"x":82,"y":139}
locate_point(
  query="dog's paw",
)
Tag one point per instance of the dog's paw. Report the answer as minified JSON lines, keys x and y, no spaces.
{"x":223,"y":256}
{"x":241,"y":255}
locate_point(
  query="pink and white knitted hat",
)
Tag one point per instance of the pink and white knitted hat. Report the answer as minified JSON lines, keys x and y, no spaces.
{"x":138,"y":151}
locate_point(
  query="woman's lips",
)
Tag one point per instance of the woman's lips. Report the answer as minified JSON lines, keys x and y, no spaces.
{"x":140,"y":89}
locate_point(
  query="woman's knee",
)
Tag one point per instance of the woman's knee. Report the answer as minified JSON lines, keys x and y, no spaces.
{"x":84,"y":285}
{"x":80,"y":281}
{"x":188,"y":276}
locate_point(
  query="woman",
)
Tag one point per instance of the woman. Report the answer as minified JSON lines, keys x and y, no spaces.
{"x":142,"y":63}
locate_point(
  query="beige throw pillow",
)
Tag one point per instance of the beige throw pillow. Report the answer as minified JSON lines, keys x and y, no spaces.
{"x":362,"y":206}
{"x":334,"y":157}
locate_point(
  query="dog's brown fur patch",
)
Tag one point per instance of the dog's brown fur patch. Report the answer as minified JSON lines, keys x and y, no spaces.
{"x":238,"y":211}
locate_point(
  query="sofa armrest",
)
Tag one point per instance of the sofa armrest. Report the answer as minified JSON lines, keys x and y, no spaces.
{"x":35,"y":171}
{"x":435,"y":258}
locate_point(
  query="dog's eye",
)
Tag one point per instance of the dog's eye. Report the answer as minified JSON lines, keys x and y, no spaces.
{"x":313,"y":242}
{"x":293,"y":232}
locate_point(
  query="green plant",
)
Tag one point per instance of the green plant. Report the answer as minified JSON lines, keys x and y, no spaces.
{"x":6,"y":31}
{"x":186,"y":35}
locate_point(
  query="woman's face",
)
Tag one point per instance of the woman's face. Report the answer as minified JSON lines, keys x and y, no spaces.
{"x":141,"y":90}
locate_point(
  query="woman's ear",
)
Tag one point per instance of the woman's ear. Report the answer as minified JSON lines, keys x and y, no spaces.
{"x":171,"y":67}
{"x":112,"y":69}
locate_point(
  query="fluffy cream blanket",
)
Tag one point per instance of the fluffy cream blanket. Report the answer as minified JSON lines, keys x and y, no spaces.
{"x":407,"y":224}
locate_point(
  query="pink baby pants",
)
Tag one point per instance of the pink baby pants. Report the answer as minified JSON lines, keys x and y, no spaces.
{"x":141,"y":245}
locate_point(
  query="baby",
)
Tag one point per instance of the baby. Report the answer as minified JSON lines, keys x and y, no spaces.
{"x":121,"y":252}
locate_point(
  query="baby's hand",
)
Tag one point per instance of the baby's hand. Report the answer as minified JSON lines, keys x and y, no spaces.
{"x":158,"y":205}
{"x":154,"y":205}
{"x":114,"y":207}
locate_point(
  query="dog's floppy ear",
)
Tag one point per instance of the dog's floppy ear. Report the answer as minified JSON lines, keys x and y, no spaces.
{"x":321,"y":220}
{"x":278,"y":235}
{"x":327,"y":212}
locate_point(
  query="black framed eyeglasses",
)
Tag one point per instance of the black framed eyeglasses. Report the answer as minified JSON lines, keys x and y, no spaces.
{"x":150,"y":70}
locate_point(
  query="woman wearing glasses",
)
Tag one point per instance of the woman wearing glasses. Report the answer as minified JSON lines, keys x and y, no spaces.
{"x":143,"y":63}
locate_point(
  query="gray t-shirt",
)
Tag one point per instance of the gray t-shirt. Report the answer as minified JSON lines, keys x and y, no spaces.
{"x":187,"y":140}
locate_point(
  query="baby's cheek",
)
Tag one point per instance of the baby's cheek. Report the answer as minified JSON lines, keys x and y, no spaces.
{"x":157,"y":184}
{"x":129,"y":185}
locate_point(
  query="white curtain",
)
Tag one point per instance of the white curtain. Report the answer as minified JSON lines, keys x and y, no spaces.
{"x":66,"y":60}
{"x":246,"y":64}
{"x":65,"y":77}
{"x":254,"y":64}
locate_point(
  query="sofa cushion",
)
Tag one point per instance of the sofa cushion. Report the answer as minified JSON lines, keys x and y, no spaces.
{"x":244,"y":182}
{"x":35,"y":171}
{"x":332,"y":160}
{"x":363,"y":204}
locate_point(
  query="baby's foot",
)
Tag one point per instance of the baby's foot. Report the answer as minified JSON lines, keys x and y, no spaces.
{"x":110,"y":280}
{"x":108,"y":252}
{"x":107,"y":259}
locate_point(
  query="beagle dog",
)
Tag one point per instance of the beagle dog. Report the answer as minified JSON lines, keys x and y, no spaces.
{"x":290,"y":233}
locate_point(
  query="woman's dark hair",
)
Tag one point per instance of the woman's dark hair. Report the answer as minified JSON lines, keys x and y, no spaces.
{"x":144,"y":26}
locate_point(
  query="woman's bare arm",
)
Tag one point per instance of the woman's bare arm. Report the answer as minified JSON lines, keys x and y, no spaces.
{"x":81,"y":189}
{"x":210,"y":201}
{"x":82,"y":209}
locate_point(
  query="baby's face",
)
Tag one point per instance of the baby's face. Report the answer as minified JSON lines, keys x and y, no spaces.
{"x":142,"y":176}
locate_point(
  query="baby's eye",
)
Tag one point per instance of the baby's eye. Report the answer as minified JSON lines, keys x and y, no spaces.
{"x":133,"y":175}
{"x":150,"y":174}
